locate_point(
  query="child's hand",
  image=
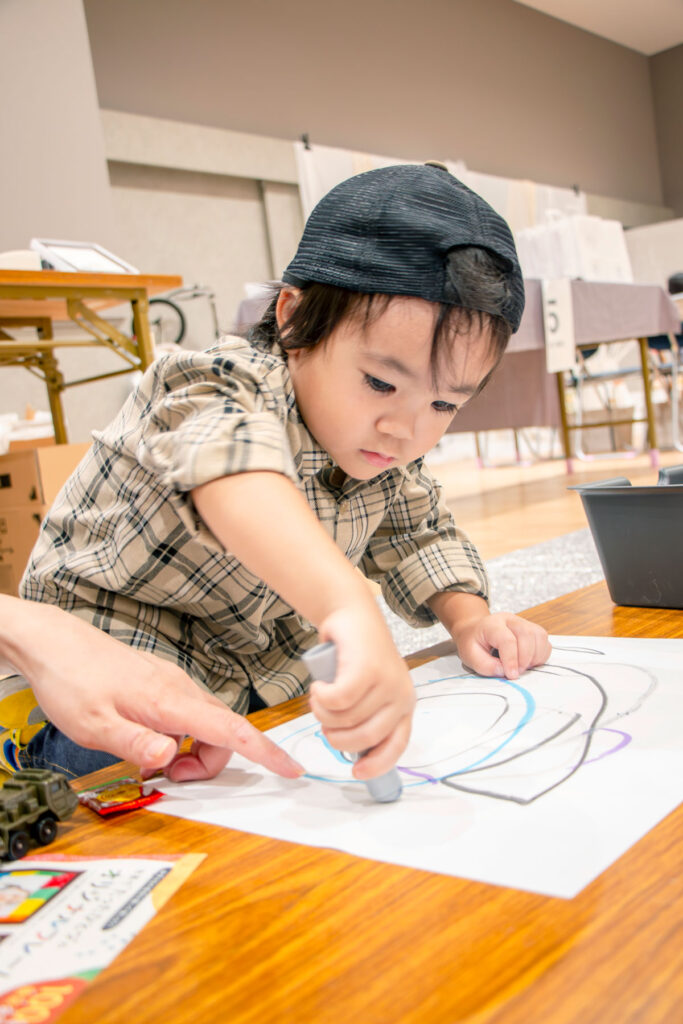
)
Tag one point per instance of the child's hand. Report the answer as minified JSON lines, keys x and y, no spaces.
{"x":502,"y":644}
{"x":370,"y":704}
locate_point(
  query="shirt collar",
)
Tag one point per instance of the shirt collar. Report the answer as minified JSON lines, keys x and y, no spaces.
{"x":309,"y":458}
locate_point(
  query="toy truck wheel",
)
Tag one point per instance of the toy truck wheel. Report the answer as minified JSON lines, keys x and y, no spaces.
{"x":45,"y":830}
{"x":18,"y":845}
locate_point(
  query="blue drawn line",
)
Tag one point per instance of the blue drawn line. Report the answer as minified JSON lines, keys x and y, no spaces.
{"x":524,"y":720}
{"x":530,"y":709}
{"x":337,"y":754}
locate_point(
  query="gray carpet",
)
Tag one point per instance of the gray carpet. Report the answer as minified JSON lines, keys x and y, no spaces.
{"x":519,"y":580}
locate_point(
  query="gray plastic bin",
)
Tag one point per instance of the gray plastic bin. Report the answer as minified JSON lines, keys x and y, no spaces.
{"x":638,"y":532}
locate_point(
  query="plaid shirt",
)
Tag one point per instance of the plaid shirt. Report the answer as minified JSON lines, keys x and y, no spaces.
{"x":124,"y":548}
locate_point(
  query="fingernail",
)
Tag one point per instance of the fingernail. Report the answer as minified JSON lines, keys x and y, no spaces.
{"x":296,"y":767}
{"x":186,"y":769}
{"x":159,"y":747}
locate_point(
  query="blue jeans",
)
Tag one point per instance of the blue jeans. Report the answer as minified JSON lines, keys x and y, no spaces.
{"x":50,"y":748}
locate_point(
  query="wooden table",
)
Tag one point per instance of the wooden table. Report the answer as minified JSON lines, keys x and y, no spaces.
{"x":38,"y":298}
{"x":268,"y":932}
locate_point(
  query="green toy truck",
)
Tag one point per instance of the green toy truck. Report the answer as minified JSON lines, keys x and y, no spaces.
{"x":31,"y":804}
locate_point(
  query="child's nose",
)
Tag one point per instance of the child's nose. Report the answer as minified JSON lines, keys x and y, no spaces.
{"x":400,"y":426}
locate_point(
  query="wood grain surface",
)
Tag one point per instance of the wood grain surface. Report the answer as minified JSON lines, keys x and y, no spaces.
{"x":43,"y":293}
{"x":268,"y":932}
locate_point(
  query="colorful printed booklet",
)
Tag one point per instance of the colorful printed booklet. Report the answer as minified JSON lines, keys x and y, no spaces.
{"x":63,"y":919}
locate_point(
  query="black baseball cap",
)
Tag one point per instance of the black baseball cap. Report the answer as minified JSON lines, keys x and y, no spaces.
{"x":389,"y":231}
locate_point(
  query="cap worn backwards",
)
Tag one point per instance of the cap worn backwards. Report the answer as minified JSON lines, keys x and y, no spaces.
{"x":390,"y":231}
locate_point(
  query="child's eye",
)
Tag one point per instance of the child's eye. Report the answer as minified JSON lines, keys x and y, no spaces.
{"x":446,"y":407}
{"x":378,"y":385}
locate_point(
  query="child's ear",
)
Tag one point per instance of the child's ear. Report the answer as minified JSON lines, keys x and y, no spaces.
{"x":287,"y":302}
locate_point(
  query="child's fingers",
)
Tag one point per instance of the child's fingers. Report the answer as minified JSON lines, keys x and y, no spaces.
{"x":324,"y":704}
{"x":383,"y":757}
{"x":532,"y":643}
{"x":500,"y":638}
{"x":202,"y":762}
{"x":366,"y":734}
{"x":350,"y":688}
{"x":526,"y":647}
{"x":483,"y":662}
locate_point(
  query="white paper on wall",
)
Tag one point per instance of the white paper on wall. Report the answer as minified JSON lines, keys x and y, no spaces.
{"x":538,"y":783}
{"x":577,"y":246}
{"x":522,"y":203}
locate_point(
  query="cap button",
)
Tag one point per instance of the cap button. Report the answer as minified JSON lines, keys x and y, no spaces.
{"x":437,"y":164}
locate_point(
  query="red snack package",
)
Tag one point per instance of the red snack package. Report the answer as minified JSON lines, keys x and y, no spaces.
{"x":119,"y":795}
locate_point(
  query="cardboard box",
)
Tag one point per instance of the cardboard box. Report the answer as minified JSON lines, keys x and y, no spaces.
{"x":29,"y":482}
{"x":23,"y":444}
{"x":18,"y":533}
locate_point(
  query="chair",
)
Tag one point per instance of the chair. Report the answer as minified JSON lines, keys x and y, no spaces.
{"x":663,"y":345}
{"x":649,"y":362}
{"x":583,"y":375}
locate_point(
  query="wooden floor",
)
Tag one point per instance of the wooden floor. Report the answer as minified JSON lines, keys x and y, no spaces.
{"x":510,"y":507}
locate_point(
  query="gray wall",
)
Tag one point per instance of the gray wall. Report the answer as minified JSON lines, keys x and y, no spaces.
{"x":509,"y":90}
{"x":667,"y":87}
{"x":53,"y":175}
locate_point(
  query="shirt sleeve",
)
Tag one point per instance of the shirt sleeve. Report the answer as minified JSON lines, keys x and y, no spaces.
{"x":209,"y":416}
{"x":418,"y":551}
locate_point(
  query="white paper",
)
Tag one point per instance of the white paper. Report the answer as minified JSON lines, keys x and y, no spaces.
{"x":537,"y":784}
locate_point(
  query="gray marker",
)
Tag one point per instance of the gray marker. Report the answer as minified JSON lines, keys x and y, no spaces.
{"x":321,"y":662}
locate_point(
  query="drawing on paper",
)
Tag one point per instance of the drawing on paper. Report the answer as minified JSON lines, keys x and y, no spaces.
{"x":537,"y":783}
{"x":494,"y":737}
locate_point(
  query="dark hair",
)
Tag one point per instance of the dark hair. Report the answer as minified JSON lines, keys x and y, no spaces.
{"x":477,"y":277}
{"x":675,"y":283}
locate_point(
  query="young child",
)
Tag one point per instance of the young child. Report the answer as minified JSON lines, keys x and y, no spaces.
{"x":218,"y":521}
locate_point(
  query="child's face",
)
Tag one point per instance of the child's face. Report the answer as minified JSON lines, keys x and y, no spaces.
{"x":368,"y":396}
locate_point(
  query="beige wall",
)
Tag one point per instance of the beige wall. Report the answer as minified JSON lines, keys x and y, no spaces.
{"x":220,"y":208}
{"x":53,"y":176}
{"x":667,"y":86}
{"x":505,"y":88}
{"x":207,"y":227}
{"x":656,"y":251}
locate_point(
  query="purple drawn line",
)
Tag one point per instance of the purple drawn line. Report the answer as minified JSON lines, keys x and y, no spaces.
{"x":418,"y":775}
{"x":624,"y":742}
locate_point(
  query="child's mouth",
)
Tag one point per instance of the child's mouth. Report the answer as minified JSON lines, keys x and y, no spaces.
{"x":377,"y":459}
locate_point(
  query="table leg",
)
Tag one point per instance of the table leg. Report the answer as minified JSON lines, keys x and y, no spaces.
{"x":54,"y":382}
{"x":141,"y":330}
{"x":564,"y":423}
{"x":675,"y":357}
{"x":649,"y":407}
{"x":480,"y":457}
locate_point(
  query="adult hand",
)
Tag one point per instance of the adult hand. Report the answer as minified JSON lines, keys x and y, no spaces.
{"x":105,"y":695}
